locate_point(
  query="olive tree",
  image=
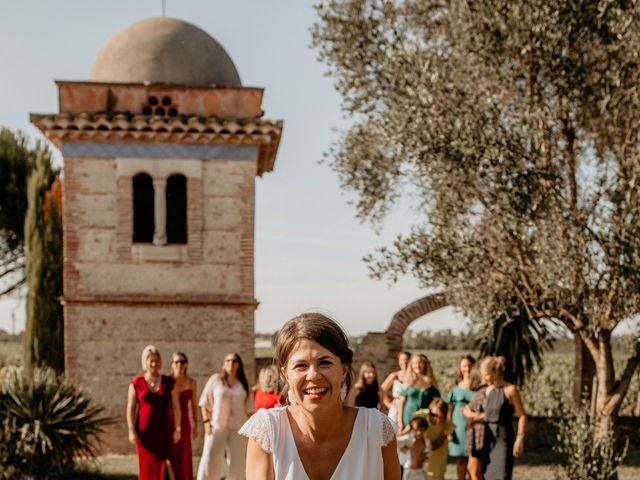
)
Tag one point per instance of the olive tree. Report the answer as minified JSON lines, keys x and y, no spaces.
{"x":514,"y":126}
{"x":16,"y":162}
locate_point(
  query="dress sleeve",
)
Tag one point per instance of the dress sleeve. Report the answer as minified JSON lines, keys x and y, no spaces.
{"x":449,"y":427}
{"x":450,"y":397}
{"x":261,"y":429}
{"x":207,"y":393}
{"x":388,"y":429}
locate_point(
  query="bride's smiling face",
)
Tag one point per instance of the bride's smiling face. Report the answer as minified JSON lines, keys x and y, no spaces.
{"x":314,"y":375}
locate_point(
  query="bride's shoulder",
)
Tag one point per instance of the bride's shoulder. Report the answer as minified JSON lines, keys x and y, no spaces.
{"x":262,"y":426}
{"x":376,"y":421}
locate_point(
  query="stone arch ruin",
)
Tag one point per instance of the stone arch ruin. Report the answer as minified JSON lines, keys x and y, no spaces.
{"x":382,"y":348}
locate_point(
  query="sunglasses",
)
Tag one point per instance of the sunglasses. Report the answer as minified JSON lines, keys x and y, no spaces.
{"x":181,"y":362}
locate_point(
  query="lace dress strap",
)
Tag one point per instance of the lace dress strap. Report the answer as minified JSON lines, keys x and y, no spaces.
{"x":261,"y":429}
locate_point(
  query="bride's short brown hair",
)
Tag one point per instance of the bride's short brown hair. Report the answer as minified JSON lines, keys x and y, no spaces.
{"x":319,"y":328}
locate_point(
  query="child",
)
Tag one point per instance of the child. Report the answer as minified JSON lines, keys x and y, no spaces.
{"x":439,"y":429}
{"x":414,"y":450}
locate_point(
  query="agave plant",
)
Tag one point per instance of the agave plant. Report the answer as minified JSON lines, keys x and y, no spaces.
{"x":47,"y":423}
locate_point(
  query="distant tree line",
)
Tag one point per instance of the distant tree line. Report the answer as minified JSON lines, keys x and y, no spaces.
{"x":10,"y":337}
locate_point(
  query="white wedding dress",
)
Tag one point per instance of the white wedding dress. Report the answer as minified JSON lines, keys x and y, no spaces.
{"x":362,"y":459}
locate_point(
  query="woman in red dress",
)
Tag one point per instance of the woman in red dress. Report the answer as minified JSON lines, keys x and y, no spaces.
{"x":181,"y":461}
{"x":267,"y":392}
{"x":151,"y":427}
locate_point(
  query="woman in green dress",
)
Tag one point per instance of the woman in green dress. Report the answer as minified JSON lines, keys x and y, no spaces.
{"x":458,"y":398}
{"x":419,"y":389}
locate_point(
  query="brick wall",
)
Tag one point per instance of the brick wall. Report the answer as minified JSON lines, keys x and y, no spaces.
{"x":115,"y":304}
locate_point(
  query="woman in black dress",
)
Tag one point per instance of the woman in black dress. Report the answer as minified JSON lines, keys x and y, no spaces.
{"x":500,"y":443}
{"x":366,"y":392}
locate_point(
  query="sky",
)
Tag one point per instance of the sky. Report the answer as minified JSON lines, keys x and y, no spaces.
{"x":309,"y":244}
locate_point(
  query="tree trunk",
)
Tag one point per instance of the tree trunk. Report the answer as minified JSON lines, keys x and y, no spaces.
{"x":585,"y":371}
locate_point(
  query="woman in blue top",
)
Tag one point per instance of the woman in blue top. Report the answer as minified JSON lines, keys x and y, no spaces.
{"x":458,"y":398}
{"x":419,"y":388}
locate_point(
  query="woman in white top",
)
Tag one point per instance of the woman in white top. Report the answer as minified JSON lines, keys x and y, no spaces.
{"x":316,"y":437}
{"x":224,"y":409}
{"x":393,"y":382}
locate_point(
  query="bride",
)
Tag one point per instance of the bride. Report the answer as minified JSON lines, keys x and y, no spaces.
{"x":316,"y":437}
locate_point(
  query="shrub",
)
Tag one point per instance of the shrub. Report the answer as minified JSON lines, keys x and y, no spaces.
{"x":586,"y":457}
{"x":47,"y":423}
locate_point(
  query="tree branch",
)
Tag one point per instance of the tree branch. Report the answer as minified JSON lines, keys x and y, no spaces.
{"x":13,"y":287}
{"x":622,"y":385}
{"x":13,"y":269}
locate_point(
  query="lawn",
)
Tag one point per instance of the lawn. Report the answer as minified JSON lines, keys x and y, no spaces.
{"x":534,"y":465}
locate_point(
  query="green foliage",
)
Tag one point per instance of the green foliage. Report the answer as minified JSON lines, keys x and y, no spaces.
{"x":16,"y":163}
{"x":519,"y":339}
{"x":514,"y":127}
{"x":586,"y":459}
{"x":43,"y":338}
{"x":439,"y":340}
{"x":47,"y":424}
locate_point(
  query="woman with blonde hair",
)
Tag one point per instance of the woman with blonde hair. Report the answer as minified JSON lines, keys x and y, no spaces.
{"x":502,"y":401}
{"x":150,"y":401}
{"x":438,"y":432}
{"x":267,"y":393}
{"x":181,"y":461}
{"x":419,"y":389}
{"x":317,"y":436}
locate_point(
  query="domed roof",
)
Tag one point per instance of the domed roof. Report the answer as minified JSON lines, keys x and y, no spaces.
{"x":164,"y":50}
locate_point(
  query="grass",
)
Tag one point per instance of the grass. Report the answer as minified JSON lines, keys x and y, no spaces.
{"x":533,"y":465}
{"x":10,"y":353}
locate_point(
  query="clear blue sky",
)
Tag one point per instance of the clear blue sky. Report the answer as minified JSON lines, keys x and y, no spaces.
{"x":308,"y":243}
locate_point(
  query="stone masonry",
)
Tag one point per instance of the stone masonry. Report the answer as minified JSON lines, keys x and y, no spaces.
{"x":119,"y":295}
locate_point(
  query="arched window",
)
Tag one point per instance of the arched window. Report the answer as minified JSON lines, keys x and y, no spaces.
{"x":143,"y":214}
{"x":177,"y":209}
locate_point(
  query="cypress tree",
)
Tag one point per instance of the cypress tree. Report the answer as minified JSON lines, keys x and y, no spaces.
{"x":43,"y":337}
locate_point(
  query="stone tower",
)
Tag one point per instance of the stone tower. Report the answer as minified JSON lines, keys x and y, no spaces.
{"x":161,"y":148}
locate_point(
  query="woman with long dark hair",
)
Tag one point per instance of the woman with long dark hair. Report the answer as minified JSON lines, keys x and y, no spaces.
{"x":366,"y":392}
{"x":458,"y":398}
{"x":224,"y":409}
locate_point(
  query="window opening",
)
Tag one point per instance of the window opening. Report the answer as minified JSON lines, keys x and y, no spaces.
{"x":176,"y":209}
{"x":143,"y":209}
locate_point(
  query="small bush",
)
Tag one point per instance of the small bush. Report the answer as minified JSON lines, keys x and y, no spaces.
{"x":47,"y":423}
{"x":585,"y":457}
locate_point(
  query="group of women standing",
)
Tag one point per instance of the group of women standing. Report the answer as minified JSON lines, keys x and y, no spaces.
{"x":475,"y":423}
{"x":162,"y":417}
{"x":331,"y":427}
